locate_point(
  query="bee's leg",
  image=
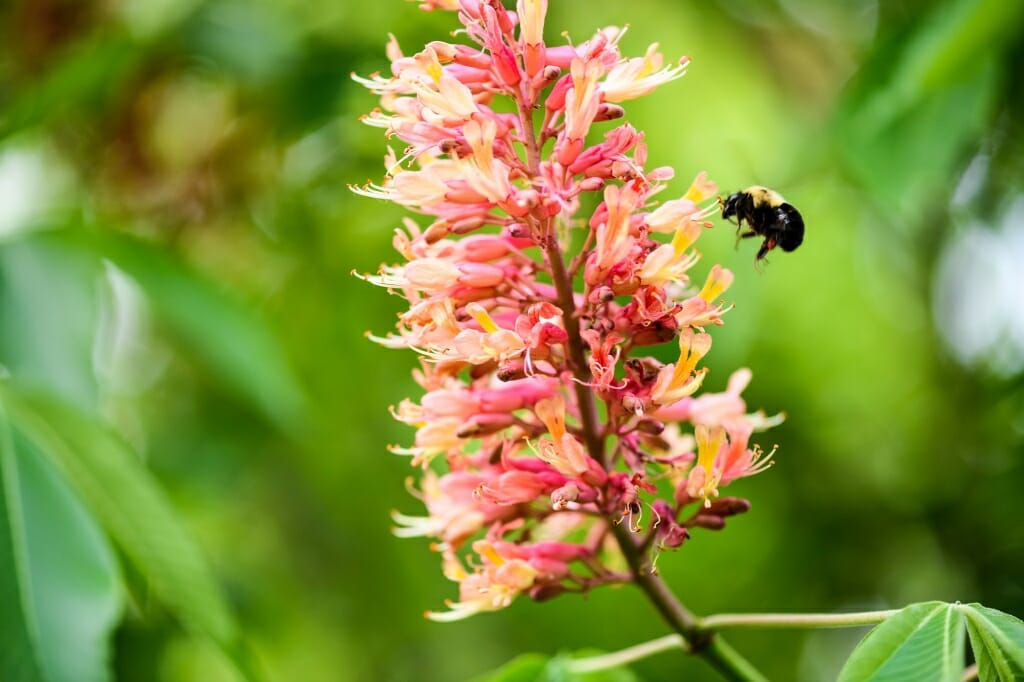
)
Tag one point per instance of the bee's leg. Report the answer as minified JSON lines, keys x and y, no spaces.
{"x":767,"y":246}
{"x":740,"y":234}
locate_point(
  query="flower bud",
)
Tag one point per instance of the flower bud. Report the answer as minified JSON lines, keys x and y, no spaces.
{"x":436,"y":232}
{"x":480,"y":275}
{"x":484,"y":424}
{"x":650,"y":426}
{"x":600,"y":295}
{"x":709,"y":521}
{"x":609,"y":112}
{"x":674,"y":536}
{"x":728,"y":506}
{"x":561,"y":498}
{"x":467,"y":225}
{"x":556,"y":98}
{"x":545,"y":77}
{"x":546,"y":591}
{"x":653,"y":335}
{"x":445,"y":51}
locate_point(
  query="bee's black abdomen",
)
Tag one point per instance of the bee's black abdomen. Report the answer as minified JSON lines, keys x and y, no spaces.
{"x":791,"y":234}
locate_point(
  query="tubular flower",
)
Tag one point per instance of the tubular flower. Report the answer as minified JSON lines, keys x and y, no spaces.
{"x":704,"y":477}
{"x":680,"y":379}
{"x":638,"y":76}
{"x":669,"y":262}
{"x":562,"y":450}
{"x":523,"y":473}
{"x":494,"y":583}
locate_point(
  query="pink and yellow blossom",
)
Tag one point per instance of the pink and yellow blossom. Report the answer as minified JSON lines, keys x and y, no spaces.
{"x":543,"y":429}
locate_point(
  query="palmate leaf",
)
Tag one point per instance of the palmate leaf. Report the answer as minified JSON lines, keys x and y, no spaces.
{"x":59,"y":581}
{"x":133,"y":509}
{"x":997,"y":639}
{"x":926,"y":642}
{"x":921,"y":642}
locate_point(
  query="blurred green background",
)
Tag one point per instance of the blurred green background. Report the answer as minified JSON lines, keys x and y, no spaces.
{"x":176,"y":242}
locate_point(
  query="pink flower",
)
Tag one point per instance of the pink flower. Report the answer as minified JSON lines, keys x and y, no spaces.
{"x":564,"y":451}
{"x":456,"y":510}
{"x":635,"y":77}
{"x":542,"y":423}
{"x":492,"y":585}
{"x":681,"y":379}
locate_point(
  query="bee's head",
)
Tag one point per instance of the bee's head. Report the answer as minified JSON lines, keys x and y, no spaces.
{"x":730,"y":205}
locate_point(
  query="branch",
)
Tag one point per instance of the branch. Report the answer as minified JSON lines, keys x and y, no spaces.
{"x":627,"y":655}
{"x":792,"y":620}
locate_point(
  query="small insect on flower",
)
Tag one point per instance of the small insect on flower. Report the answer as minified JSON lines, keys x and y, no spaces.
{"x":767,"y":215}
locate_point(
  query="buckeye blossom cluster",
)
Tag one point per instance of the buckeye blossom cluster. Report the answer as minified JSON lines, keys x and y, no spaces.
{"x":554,"y":456}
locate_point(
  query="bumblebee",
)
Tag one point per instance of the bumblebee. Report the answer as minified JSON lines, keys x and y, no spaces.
{"x":767,"y":215}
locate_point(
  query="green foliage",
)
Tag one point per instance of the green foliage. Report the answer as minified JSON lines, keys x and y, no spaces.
{"x":81,"y":82}
{"x":130,"y":505}
{"x":998,"y":642}
{"x":59,"y":581}
{"x":538,"y":668}
{"x":243,"y":353}
{"x":921,"y":642}
{"x":923,"y":99}
{"x":926,"y":642}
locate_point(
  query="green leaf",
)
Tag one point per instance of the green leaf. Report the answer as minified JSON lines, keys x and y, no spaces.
{"x":558,"y":670}
{"x":924,"y":98}
{"x":48,"y":316}
{"x":86,"y":77}
{"x":921,"y":642}
{"x":60,"y":586}
{"x":224,"y":333}
{"x":524,"y":668}
{"x":134,"y":510}
{"x":540,"y":668}
{"x":997,"y":639}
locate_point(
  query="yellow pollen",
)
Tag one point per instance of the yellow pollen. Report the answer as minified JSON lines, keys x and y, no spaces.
{"x":480,"y":314}
{"x":648,"y":68}
{"x":487,"y":550}
{"x":709,"y":442}
{"x":717,"y":282}
{"x":699,"y":190}
{"x":435,"y":71}
{"x":690,"y":353}
{"x":684,"y":237}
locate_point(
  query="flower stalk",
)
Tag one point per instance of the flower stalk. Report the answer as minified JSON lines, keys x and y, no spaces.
{"x":551,"y":450}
